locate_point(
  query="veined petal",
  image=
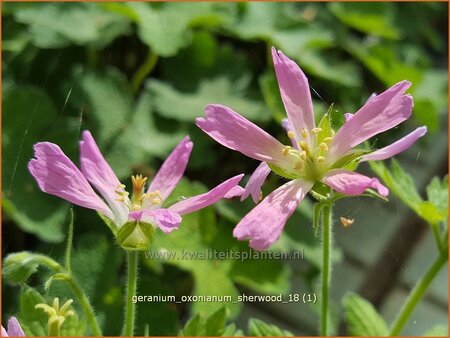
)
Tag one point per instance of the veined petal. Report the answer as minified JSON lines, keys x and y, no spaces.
{"x":236,"y":132}
{"x":201,"y":201}
{"x":14,"y":328}
{"x":253,"y":186}
{"x":396,"y":147}
{"x":4,"y":333}
{"x":379,"y":114}
{"x":264,"y":223}
{"x":164,"y":219}
{"x":352,"y":183}
{"x":295,"y":93}
{"x":172,"y":169}
{"x":99,"y":173}
{"x":56,"y":174}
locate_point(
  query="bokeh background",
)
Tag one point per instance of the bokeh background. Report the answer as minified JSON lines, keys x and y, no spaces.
{"x":137,"y":74}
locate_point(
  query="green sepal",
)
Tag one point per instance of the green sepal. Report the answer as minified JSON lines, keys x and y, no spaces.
{"x":351,"y":160}
{"x":136,"y":235}
{"x":109,"y":223}
{"x":321,"y":192}
{"x":317,"y":218}
{"x":325,"y":125}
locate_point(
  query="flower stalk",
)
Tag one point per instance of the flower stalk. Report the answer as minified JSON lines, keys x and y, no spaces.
{"x":417,"y":293}
{"x":326,"y":266}
{"x":130,"y":309}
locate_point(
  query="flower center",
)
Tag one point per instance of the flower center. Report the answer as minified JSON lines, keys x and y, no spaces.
{"x":308,"y":158}
{"x":139,"y":199}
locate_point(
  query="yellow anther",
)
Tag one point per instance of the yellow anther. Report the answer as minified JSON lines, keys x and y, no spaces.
{"x":333,"y":133}
{"x":303,"y":155}
{"x":299,"y":165}
{"x":316,"y":130}
{"x":304,"y":133}
{"x":120,"y":199}
{"x":291,"y":134}
{"x":328,"y":140}
{"x":136,"y":207}
{"x":323,"y":146}
{"x":320,"y":159}
{"x":304,"y":145}
{"x":121,"y":186}
{"x":156,"y":201}
{"x":285,"y":151}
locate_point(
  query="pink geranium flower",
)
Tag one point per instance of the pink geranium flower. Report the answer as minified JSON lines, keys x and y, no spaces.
{"x":56,"y":174}
{"x":14,"y":329}
{"x":318,"y":156}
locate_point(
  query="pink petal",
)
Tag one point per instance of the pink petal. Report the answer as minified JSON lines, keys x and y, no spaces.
{"x":263,"y":225}
{"x":351,"y":183}
{"x":4,"y":333}
{"x":14,"y":328}
{"x":98,"y":172}
{"x":237,"y":191}
{"x":164,"y":219}
{"x":235,"y":132}
{"x":172,"y":169}
{"x":56,"y":174}
{"x":201,"y":201}
{"x":295,"y":93}
{"x":348,"y":116}
{"x":253,"y":186}
{"x":396,"y":147}
{"x":379,"y":114}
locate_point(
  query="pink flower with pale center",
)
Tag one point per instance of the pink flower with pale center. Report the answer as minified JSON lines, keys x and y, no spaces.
{"x":56,"y":174}
{"x":318,"y":156}
{"x":14,"y":329}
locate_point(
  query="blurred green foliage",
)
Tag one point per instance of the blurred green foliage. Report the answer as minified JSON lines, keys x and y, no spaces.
{"x":137,"y":74}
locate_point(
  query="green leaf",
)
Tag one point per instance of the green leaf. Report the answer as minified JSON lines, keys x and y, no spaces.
{"x":29,"y":117}
{"x":185,"y":106}
{"x":437,"y":193}
{"x":127,"y":134}
{"x":168,"y":28}
{"x":362,"y":318}
{"x":60,"y":25}
{"x":258,"y":328}
{"x":399,"y":182}
{"x":403,"y":186}
{"x":215,"y":323}
{"x":193,"y":327}
{"x":374,"y":18}
{"x":439,"y":330}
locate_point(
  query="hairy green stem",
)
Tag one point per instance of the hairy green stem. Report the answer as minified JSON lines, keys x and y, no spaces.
{"x":69,"y":243}
{"x":326,"y":266}
{"x":417,"y":293}
{"x":68,"y":277}
{"x":130,"y":310}
{"x":86,"y":305}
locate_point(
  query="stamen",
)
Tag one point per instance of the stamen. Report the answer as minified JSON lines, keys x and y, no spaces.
{"x":136,"y":207}
{"x":299,"y":165}
{"x":303,"y":155}
{"x":291,"y":134}
{"x":304,"y":133}
{"x":120,"y":199}
{"x":316,"y":130}
{"x":304,"y":146}
{"x":285,"y":151}
{"x":320,"y":159}
{"x":323,"y":146}
{"x":328,"y":140}
{"x":333,"y":133}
